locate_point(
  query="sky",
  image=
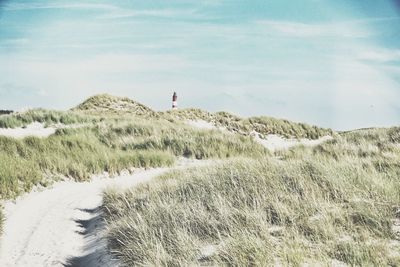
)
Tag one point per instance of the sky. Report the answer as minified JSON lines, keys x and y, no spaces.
{"x":331,"y":63}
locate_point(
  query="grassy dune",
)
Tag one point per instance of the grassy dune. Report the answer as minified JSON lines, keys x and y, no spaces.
{"x":77,"y":154}
{"x":112,"y":144}
{"x":109,"y":146}
{"x":245,"y":126}
{"x":44,"y":116}
{"x":108,"y":104}
{"x":106,"y":107}
{"x":331,"y":204}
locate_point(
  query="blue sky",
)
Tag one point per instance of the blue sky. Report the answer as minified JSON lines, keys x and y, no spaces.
{"x":331,"y":63}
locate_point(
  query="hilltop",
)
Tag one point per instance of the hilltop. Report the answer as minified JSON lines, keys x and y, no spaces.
{"x":260,"y":126}
{"x":106,"y":103}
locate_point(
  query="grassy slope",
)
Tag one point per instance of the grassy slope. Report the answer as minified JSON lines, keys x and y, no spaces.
{"x":108,"y":104}
{"x":44,"y":116}
{"x":332,"y":202}
{"x":245,"y":126}
{"x":102,"y":107}
{"x":121,"y":133}
{"x":110,"y":146}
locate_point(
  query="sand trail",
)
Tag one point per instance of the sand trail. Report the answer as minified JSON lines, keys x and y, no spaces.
{"x":61,"y":225}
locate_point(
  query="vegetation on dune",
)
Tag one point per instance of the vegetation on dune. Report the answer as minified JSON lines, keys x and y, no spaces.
{"x":107,"y":107}
{"x":110,"y":146}
{"x":44,"y":116}
{"x":181,"y":140}
{"x":331,"y":204}
{"x":113,"y":105}
{"x":246,"y":126}
{"x":107,"y":104}
{"x":74,"y":153}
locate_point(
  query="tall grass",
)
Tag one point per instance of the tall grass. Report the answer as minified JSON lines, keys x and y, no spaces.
{"x":181,"y":140}
{"x":44,"y":116}
{"x":245,"y":126}
{"x":109,"y":146}
{"x":332,"y":204}
{"x":77,"y":154}
{"x":112,"y":145}
{"x":109,"y":104}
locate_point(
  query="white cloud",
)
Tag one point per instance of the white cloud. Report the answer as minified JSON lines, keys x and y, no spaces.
{"x":14,"y":41}
{"x":297,"y":29}
{"x":167,"y":13}
{"x":13,"y":6}
{"x":379,"y":55}
{"x":111,"y":11}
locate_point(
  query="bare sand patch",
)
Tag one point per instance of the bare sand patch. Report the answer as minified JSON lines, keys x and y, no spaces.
{"x":34,"y":129}
{"x":275,"y":142}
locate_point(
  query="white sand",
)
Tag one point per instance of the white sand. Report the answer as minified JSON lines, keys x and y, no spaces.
{"x":272,"y":142}
{"x":275,"y":142}
{"x":60,"y":226}
{"x":201,"y":124}
{"x":34,"y":129}
{"x":43,"y":228}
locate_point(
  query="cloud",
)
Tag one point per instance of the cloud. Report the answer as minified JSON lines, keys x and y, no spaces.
{"x":298,"y":29}
{"x":13,"y":6}
{"x":117,"y":13}
{"x":111,"y":11}
{"x":379,"y":55}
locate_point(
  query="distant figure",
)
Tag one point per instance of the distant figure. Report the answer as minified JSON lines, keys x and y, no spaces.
{"x":175,"y":101}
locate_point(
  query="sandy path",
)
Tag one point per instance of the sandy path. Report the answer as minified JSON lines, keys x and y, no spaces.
{"x":61,"y":226}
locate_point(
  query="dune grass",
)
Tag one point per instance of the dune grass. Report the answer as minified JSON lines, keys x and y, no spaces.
{"x":108,"y":104}
{"x":77,"y":154}
{"x":112,"y":105}
{"x":180,"y":139}
{"x":110,"y":146}
{"x":245,"y":126}
{"x":44,"y":116}
{"x":332,"y":204}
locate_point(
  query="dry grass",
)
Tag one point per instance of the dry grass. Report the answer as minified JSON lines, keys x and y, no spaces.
{"x":245,"y":126}
{"x":44,"y":116}
{"x":113,"y":105}
{"x":110,"y":145}
{"x":325,"y":205}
